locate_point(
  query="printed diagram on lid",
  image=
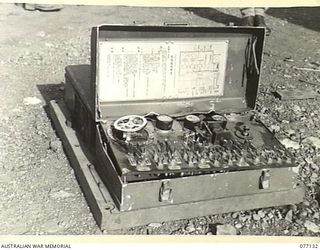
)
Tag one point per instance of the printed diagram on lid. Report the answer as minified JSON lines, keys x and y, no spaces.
{"x":151,"y":70}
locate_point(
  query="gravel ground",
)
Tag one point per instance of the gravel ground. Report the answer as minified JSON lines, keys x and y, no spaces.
{"x":39,"y":191}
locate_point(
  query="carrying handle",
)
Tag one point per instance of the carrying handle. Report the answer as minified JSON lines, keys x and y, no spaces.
{"x":164,"y":24}
{"x":175,"y":24}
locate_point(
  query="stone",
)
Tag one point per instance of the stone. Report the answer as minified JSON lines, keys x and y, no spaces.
{"x":264,"y":225}
{"x":295,"y":233}
{"x":61,"y":195}
{"x":279,"y":215}
{"x":256,"y":217}
{"x":309,"y":211}
{"x":289,"y":216}
{"x":226,"y":229}
{"x":288,"y":59}
{"x":264,"y":110}
{"x":316,"y":215}
{"x":31,"y":101}
{"x":315,"y":141}
{"x":51,"y":227}
{"x":75,"y":54}
{"x":4,"y":178}
{"x":238,"y":226}
{"x":296,"y":108}
{"x":190,"y":227}
{"x":290,"y":144}
{"x":18,"y":228}
{"x":49,"y":45}
{"x":314,"y":166}
{"x":55,"y":145}
{"x":270,"y":215}
{"x":41,"y":34}
{"x":308,"y":160}
{"x":290,"y":132}
{"x":16,"y":110}
{"x":243,"y":218}
{"x":261,"y":214}
{"x":155,"y":224}
{"x":303,"y":214}
{"x":275,"y":128}
{"x":312,"y":227}
{"x":235,"y":215}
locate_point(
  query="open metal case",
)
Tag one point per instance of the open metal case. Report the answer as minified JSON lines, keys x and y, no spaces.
{"x":176,"y":71}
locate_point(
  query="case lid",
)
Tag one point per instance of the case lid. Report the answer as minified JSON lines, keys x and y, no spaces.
{"x":173,"y":69}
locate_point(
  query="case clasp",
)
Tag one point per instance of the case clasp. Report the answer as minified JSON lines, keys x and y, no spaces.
{"x":165,"y":194}
{"x":264,"y":182}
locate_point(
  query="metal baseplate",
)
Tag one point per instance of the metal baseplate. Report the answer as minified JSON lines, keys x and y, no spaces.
{"x":109,"y":218}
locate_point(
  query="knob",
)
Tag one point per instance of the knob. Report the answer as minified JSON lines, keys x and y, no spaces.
{"x":164,"y":122}
{"x":218,"y":121}
{"x":245,"y":130}
{"x":191,"y":121}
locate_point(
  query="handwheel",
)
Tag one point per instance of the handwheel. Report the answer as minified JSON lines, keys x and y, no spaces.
{"x":130,"y":123}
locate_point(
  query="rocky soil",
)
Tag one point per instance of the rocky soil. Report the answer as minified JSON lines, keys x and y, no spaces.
{"x":39,"y":191}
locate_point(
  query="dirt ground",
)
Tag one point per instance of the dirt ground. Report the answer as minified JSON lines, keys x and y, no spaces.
{"x":38,"y":189}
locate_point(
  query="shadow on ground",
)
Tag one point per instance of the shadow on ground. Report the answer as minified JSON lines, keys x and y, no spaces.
{"x":215,"y":15}
{"x":51,"y":92}
{"x":308,"y":17}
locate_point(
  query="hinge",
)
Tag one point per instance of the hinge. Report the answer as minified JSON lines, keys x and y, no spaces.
{"x":251,"y":65}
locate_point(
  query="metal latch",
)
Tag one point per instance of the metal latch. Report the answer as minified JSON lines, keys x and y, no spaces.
{"x":165,"y":193}
{"x":264,"y":182}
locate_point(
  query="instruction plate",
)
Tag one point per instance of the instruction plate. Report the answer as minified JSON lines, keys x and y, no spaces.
{"x":155,"y":70}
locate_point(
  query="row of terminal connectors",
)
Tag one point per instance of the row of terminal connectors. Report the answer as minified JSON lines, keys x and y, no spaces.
{"x":174,"y":155}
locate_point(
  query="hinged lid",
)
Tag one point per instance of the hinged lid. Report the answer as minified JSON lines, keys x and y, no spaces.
{"x":174,"y":69}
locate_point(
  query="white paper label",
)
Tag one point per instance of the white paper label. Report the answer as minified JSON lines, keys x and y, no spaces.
{"x":149,"y":70}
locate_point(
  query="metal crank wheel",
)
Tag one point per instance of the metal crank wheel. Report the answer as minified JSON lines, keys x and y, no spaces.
{"x":130,"y":123}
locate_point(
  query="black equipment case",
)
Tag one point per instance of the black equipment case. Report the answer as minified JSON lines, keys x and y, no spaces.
{"x":179,"y":72}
